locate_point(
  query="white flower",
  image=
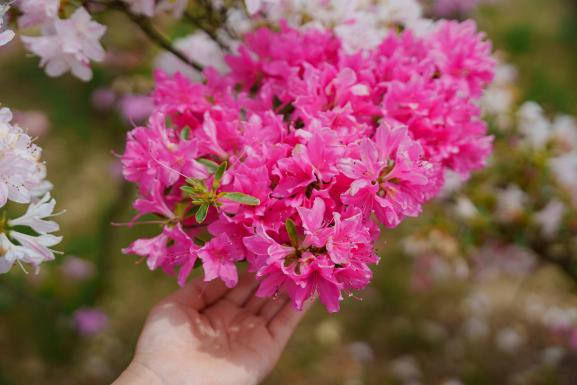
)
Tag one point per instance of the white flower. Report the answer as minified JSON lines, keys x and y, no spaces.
{"x":36,"y":248}
{"x":552,"y":356}
{"x":69,"y":45}
{"x":20,"y":169}
{"x":8,"y":35}
{"x":565,"y":132}
{"x":510,"y":202}
{"x":141,"y":7}
{"x":500,"y":95}
{"x":36,"y":12}
{"x":466,"y":209}
{"x":534,"y":126}
{"x":9,"y":254}
{"x":30,"y":249}
{"x":550,"y":218}
{"x":198,"y":47}
{"x":35,"y":216}
{"x":253,"y":6}
{"x":406,"y":368}
{"x":453,"y":182}
{"x":177,"y":7}
{"x":399,"y":11}
{"x":22,"y":177}
{"x":452,"y":382}
{"x":558,"y":318}
{"x":361,"y":24}
{"x":509,"y":340}
{"x":476,"y":328}
{"x":564,"y":169}
{"x":361,"y":33}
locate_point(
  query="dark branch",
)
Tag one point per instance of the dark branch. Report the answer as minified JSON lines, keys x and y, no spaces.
{"x":150,"y":31}
{"x":197,"y":22}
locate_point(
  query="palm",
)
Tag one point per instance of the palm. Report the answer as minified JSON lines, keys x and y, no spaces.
{"x":207,"y":334}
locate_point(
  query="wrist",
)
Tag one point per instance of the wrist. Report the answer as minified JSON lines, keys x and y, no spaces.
{"x":138,"y":374}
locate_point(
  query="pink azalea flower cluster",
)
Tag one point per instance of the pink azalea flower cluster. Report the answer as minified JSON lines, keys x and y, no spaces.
{"x":292,"y":159}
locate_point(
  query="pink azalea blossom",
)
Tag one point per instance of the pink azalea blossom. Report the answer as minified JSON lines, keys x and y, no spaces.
{"x":90,"y":321}
{"x":218,"y":260}
{"x":390,"y":176}
{"x":293,"y":157}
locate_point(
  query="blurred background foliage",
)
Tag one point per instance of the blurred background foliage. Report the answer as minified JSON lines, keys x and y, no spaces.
{"x":405,"y":329}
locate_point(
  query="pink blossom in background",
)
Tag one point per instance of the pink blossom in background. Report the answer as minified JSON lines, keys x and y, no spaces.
{"x":36,"y":122}
{"x":115,"y":169}
{"x":103,"y":99}
{"x":89,"y":321}
{"x":77,"y":269}
{"x":573,"y":340}
{"x":135,"y":108}
{"x":314,"y":143}
{"x":495,"y":260}
{"x":448,"y":8}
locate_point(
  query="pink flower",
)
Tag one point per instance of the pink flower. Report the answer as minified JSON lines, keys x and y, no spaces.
{"x":36,"y":122}
{"x":462,"y":55}
{"x":170,"y":248}
{"x":289,"y":157}
{"x":318,"y":277}
{"x":156,"y":154}
{"x":390,"y":175}
{"x":313,"y":223}
{"x":135,"y":108}
{"x":77,"y":269}
{"x":90,"y":321}
{"x":350,"y":241}
{"x":218,"y":257}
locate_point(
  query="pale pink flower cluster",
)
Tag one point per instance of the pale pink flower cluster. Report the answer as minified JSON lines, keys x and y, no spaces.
{"x":63,"y":45}
{"x":360,"y":24}
{"x":292,"y":159}
{"x":149,"y":8}
{"x":68,"y":44}
{"x":448,"y":8}
{"x":5,"y":35}
{"x":29,"y":237}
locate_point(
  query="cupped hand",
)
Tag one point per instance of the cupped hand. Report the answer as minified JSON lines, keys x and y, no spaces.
{"x":206,"y":334}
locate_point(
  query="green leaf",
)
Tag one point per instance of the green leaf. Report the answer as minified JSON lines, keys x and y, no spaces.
{"x":197,"y":184}
{"x":188,"y":190}
{"x":201,"y":213}
{"x":220,"y":171}
{"x":241,"y":198}
{"x":185,"y":133}
{"x":292,"y":232}
{"x":209,"y":164}
{"x":218,"y":175}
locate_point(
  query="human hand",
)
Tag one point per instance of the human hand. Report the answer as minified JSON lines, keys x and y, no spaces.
{"x":206,"y":334}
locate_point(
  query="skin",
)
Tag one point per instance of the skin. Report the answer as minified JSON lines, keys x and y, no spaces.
{"x":206,"y":334}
